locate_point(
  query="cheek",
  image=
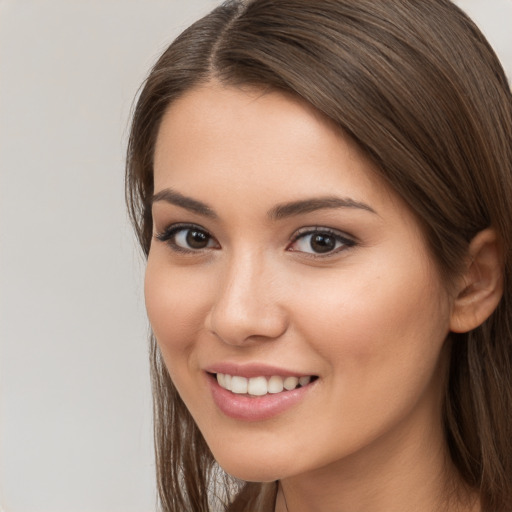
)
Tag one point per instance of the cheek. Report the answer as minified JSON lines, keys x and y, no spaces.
{"x":175,"y":305}
{"x":375,"y":325}
{"x":380,"y":339}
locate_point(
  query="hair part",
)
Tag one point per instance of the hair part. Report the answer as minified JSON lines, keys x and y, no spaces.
{"x":420,"y":90}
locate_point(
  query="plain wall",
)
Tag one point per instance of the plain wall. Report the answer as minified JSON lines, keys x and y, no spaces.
{"x":75,"y":410}
{"x":75,"y":404}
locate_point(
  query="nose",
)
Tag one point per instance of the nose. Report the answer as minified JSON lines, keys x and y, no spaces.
{"x":247,"y":306}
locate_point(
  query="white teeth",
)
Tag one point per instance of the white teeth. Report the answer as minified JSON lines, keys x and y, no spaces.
{"x":275,"y":384}
{"x":291,"y":383}
{"x":238,"y":385}
{"x":257,"y":386}
{"x":304,"y":381}
{"x":260,"y":386}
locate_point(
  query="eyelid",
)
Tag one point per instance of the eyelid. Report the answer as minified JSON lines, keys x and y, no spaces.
{"x":346,"y":239}
{"x":166,"y":236}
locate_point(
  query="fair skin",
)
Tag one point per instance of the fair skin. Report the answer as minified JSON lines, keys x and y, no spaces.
{"x":340,"y":288}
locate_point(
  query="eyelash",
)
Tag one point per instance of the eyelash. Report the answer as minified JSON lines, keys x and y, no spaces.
{"x":169,"y":234}
{"x":344,"y":240}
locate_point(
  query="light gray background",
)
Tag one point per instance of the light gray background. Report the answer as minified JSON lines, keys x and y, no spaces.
{"x":75,"y":405}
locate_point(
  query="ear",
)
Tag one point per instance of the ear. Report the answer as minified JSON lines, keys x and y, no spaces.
{"x":481,"y":285}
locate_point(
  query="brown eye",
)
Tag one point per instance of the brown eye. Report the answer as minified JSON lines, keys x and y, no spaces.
{"x":321,"y":242}
{"x":196,"y":239}
{"x":187,"y":238}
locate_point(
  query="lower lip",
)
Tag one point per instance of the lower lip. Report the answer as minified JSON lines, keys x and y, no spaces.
{"x":257,"y":408}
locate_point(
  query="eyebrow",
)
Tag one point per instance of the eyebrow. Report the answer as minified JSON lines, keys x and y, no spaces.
{"x":278,"y":212}
{"x":284,"y":210}
{"x":171,"y":196}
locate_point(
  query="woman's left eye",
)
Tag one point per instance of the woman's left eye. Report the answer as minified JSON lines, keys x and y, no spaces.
{"x":320,"y":241}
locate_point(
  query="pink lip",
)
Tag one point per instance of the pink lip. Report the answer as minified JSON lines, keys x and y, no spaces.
{"x":259,"y":408}
{"x":252,"y":370}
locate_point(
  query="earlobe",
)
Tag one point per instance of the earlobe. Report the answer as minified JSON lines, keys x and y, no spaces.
{"x":481,"y":284}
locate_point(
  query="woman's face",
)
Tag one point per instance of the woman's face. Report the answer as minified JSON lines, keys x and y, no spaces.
{"x":279,"y":254}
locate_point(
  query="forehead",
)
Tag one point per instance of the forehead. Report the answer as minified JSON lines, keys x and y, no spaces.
{"x":263,"y":145}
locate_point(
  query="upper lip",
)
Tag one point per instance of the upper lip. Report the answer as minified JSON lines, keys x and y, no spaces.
{"x":253,"y":370}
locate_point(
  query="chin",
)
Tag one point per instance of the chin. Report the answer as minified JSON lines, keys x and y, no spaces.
{"x":250,"y":473}
{"x":250,"y":469}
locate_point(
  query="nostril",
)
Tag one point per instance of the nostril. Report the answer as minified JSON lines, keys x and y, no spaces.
{"x":243,"y":314}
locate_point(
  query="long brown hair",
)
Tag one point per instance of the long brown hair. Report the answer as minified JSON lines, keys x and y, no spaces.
{"x":418,"y":87}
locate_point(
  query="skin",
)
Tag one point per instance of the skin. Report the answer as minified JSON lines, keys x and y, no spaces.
{"x":370,"y":318}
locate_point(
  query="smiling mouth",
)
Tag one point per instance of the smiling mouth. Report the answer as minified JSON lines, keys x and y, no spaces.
{"x":261,"y":386}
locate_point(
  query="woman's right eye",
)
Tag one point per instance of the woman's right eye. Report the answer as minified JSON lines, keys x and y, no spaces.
{"x":187,"y":238}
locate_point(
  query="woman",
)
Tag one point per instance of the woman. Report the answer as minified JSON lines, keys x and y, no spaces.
{"x":322,"y":191}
